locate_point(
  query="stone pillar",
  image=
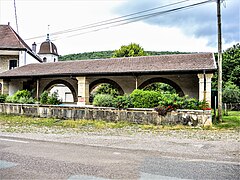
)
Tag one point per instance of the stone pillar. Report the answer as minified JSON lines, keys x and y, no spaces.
{"x":83,"y":91}
{"x":208,"y":87}
{"x":5,"y":86}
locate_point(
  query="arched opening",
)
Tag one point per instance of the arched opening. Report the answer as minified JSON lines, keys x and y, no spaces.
{"x":64,"y":89}
{"x":104,"y":86}
{"x":163,"y":83}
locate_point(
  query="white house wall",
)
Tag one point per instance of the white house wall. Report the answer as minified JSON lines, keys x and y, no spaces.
{"x":25,"y":58}
{"x":50,"y":57}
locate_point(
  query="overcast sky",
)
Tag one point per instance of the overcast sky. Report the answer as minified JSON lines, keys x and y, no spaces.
{"x":193,"y":29}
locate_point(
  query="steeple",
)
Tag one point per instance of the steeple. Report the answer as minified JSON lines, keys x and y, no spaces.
{"x":48,"y":50}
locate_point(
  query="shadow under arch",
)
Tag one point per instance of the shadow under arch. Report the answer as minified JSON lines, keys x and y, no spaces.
{"x":105,"y":80}
{"x":60,"y":81}
{"x":162,"y":80}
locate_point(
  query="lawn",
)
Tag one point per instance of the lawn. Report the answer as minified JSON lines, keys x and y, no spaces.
{"x":230,"y":121}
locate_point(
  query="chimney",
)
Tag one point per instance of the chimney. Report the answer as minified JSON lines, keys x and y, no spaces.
{"x":34,"y":46}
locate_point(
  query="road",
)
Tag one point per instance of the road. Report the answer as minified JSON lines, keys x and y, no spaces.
{"x":24,"y":158}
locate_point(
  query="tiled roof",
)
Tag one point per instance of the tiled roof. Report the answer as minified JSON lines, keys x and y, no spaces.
{"x":116,"y":66}
{"x":48,"y":47}
{"x":10,"y":40}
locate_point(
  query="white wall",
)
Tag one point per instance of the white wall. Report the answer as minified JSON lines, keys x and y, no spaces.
{"x":50,"y":57}
{"x":25,"y":58}
{"x":64,"y":93}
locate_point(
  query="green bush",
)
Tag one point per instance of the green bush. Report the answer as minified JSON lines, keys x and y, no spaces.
{"x":104,"y":100}
{"x":176,"y":102}
{"x":123,"y":102}
{"x":21,"y":96}
{"x":53,"y":99}
{"x":145,"y":99}
{"x":3,"y":98}
{"x":45,"y":98}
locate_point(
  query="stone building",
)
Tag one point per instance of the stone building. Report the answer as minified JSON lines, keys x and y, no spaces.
{"x":14,"y":52}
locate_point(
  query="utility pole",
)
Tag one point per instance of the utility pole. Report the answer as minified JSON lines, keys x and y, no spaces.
{"x":219,"y":61}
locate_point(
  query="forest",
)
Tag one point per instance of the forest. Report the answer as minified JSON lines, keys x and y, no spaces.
{"x":107,"y":54}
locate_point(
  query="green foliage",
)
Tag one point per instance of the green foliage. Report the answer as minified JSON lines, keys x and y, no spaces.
{"x":230,"y":66}
{"x":21,"y":96}
{"x":130,"y":50}
{"x":3,"y":98}
{"x":107,"y":89}
{"x":144,"y":99}
{"x":107,"y":54}
{"x":54,"y":99}
{"x":87,"y":55}
{"x":161,"y":87}
{"x":123,"y":102}
{"x":231,"y":93}
{"x":104,"y":100}
{"x":177,"y":102}
{"x":232,"y":121}
{"x":46,"y":98}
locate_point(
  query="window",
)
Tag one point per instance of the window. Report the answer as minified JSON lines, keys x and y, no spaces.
{"x":12,"y":64}
{"x":44,"y":59}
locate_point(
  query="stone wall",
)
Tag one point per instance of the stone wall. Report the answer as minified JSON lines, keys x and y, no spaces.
{"x":4,"y":61}
{"x":134,"y":115}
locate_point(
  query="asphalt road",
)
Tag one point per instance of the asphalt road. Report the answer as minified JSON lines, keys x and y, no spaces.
{"x":22,"y":158}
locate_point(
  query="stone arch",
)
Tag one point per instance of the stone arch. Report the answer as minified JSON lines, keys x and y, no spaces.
{"x":105,"y":80}
{"x":60,"y":81}
{"x":162,"y":80}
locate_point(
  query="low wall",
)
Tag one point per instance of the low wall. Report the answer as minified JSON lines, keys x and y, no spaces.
{"x":134,"y":115}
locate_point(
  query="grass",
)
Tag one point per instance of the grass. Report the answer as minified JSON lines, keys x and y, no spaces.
{"x":230,"y":122}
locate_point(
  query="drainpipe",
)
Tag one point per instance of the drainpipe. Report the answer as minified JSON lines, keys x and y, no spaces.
{"x":204,"y":86}
{"x":37,"y":89}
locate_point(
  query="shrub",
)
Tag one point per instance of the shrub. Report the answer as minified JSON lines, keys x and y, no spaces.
{"x":21,"y":96}
{"x":145,"y":99}
{"x":45,"y":98}
{"x":104,"y":100}
{"x":123,"y":102}
{"x":53,"y":99}
{"x":3,"y":98}
{"x":176,"y":102}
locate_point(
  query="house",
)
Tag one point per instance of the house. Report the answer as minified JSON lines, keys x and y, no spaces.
{"x":14,"y":52}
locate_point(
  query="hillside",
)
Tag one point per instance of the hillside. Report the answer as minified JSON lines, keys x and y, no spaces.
{"x":106,"y":54}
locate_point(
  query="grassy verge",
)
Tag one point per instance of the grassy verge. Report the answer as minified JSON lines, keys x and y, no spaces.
{"x":231,"y":121}
{"x":10,"y":122}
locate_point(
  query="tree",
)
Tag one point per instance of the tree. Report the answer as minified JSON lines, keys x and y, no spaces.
{"x":231,"y":93}
{"x":130,"y":50}
{"x":231,"y":66}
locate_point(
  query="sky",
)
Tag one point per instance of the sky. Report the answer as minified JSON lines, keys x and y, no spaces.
{"x":187,"y":30}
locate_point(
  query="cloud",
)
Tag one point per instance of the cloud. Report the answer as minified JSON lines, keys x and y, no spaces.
{"x":199,"y":21}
